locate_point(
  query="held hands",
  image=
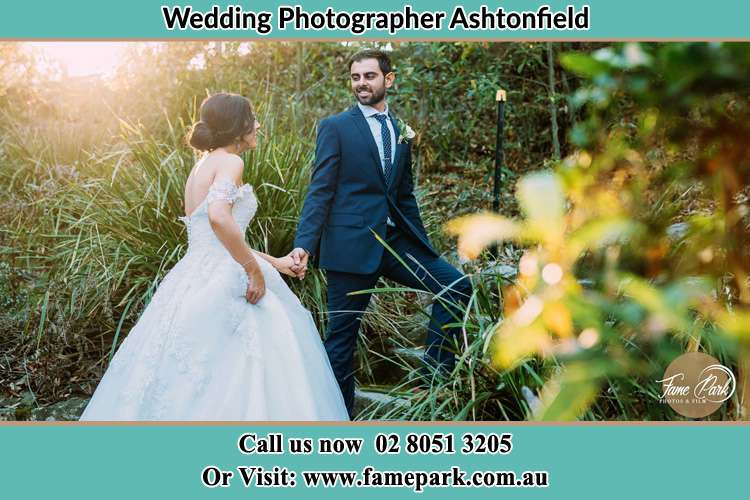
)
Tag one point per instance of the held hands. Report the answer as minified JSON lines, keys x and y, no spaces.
{"x":293,"y":264}
{"x":299,"y":258}
{"x":285,"y":265}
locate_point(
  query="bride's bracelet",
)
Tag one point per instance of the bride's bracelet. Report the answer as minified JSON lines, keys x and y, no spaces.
{"x":244,"y":266}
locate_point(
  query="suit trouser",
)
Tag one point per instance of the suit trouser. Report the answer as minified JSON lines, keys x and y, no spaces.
{"x":425,"y":272}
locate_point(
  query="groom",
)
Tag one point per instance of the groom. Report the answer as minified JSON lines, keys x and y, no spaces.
{"x":362,"y":184}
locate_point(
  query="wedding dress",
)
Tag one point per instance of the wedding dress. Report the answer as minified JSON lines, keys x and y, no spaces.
{"x":201,"y":352}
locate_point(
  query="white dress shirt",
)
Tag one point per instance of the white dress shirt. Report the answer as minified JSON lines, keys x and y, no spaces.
{"x":374,"y":124}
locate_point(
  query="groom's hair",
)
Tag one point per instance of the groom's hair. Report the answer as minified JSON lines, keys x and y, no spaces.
{"x":383,"y":60}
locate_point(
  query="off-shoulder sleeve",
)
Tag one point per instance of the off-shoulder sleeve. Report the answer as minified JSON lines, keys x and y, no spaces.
{"x":222,"y":190}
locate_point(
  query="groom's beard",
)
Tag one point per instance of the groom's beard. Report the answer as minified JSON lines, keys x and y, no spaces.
{"x":375,"y":96}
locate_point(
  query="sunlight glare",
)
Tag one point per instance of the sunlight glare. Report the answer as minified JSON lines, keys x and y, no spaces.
{"x":82,"y":58}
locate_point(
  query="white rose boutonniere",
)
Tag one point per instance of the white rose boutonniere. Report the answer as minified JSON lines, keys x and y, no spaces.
{"x":407,"y":133}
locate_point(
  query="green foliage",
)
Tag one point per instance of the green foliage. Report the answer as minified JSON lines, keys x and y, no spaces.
{"x":638,"y":243}
{"x":455,"y":124}
{"x":16,"y":70}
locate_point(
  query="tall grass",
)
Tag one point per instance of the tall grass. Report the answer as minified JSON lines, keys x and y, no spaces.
{"x":478,"y":389}
{"x":100,"y":234}
{"x":475,"y":389}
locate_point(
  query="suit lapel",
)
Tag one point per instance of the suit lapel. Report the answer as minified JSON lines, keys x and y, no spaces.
{"x":364,"y":128}
{"x":400,"y":148}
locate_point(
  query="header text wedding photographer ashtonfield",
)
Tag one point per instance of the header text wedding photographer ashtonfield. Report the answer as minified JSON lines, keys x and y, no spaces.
{"x":234,"y":17}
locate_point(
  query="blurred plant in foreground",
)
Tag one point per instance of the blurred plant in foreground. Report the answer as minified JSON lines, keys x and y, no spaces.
{"x":637,"y":245}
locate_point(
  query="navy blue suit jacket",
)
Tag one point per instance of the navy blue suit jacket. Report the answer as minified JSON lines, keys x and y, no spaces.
{"x":349,"y":198}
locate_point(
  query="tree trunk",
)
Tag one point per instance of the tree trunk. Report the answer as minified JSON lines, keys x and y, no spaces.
{"x":553,"y":100}
{"x":565,"y":82}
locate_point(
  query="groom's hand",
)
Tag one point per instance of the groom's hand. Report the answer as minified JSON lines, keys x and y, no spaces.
{"x":300,"y":257}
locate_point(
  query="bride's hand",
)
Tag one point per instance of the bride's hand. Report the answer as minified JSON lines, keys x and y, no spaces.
{"x":256,"y":285}
{"x":285,"y":265}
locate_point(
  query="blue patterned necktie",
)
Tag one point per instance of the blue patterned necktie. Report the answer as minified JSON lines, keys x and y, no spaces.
{"x":385,"y":135}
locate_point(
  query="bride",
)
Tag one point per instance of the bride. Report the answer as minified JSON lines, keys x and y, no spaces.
{"x":223,"y":337}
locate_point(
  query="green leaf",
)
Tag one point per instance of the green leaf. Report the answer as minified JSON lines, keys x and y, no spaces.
{"x":583,"y":64}
{"x":569,"y":394}
{"x":599,"y":233}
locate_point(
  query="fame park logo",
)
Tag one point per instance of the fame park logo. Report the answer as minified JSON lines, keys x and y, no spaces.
{"x":695,"y":385}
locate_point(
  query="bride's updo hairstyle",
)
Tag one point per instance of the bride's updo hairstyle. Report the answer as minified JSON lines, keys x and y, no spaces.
{"x":224,"y":119}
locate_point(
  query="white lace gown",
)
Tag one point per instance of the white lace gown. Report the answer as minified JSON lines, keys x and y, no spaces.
{"x":201,"y":352}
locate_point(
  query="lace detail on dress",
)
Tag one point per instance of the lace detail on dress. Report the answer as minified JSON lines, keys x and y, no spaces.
{"x":226,"y":190}
{"x":201,"y":236}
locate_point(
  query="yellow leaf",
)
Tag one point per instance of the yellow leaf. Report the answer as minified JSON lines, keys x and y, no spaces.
{"x":558,"y":319}
{"x":736,"y":323}
{"x":513,"y":342}
{"x":476,"y":232}
{"x":513,"y":297}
